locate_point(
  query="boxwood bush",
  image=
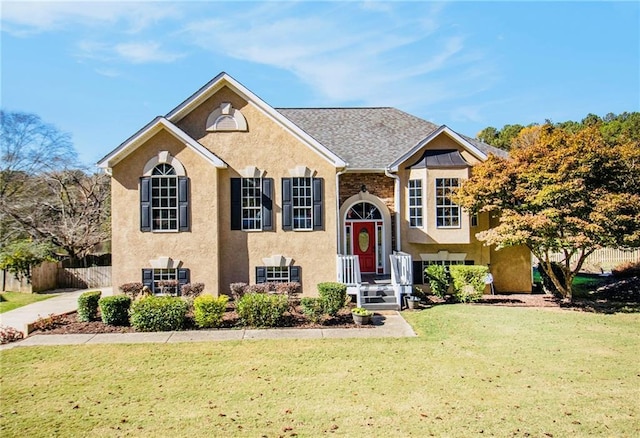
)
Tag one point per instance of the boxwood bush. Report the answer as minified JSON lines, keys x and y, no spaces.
{"x":209,"y":310}
{"x":438,"y":279}
{"x":159,"y":314}
{"x":115,"y":309}
{"x":334,"y":296}
{"x":88,"y":305}
{"x":313,"y":308}
{"x":262,"y":310}
{"x":468,"y":282}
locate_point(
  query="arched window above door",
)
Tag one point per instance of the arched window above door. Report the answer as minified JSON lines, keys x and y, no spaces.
{"x":364,"y":211}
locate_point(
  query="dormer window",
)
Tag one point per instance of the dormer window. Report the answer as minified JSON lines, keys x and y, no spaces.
{"x":226,"y":118}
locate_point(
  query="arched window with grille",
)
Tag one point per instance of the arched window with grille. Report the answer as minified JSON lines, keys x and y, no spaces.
{"x":164,"y":199}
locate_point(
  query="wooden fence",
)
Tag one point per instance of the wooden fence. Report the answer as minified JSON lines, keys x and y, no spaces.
{"x":49,"y":276}
{"x":83,"y":278}
{"x":602,"y":259}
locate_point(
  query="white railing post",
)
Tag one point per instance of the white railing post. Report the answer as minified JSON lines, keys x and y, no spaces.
{"x":348,"y":270}
{"x":401,"y":274}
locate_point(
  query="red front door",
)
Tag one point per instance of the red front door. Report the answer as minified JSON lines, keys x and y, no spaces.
{"x":364,"y":245}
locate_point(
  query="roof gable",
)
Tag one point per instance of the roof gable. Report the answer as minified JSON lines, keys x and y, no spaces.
{"x":151,"y":129}
{"x":222,"y":80}
{"x":469,"y":146}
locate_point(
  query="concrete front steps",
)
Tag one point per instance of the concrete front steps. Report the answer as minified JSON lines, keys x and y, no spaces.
{"x":379,"y":297}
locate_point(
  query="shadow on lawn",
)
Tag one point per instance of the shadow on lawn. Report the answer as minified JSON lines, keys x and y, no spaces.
{"x":611,"y":295}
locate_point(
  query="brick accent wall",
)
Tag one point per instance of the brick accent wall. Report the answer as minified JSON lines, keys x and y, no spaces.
{"x":377,"y":184}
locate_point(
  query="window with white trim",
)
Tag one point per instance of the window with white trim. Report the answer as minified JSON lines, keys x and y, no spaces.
{"x":278,"y":274}
{"x":302,"y":202}
{"x":251,"y":203}
{"x":415,"y":203}
{"x":165,"y":281}
{"x":447,"y":211}
{"x":164,"y":198}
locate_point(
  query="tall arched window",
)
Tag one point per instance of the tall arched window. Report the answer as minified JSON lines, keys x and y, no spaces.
{"x":164,"y":195}
{"x":164,"y":198}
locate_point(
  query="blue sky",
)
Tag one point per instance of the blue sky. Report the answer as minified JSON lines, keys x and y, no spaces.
{"x":101,"y":71}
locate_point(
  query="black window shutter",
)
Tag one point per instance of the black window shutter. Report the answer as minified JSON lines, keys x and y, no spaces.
{"x":469,"y":262}
{"x":318,"y":224}
{"x":294,"y":274}
{"x":261,"y":274}
{"x":147,"y":278}
{"x":418,"y":272}
{"x":267,"y":204}
{"x":183,"y":278}
{"x":183,"y":203}
{"x":287,"y":207}
{"x":145,"y":203}
{"x":236,"y":203}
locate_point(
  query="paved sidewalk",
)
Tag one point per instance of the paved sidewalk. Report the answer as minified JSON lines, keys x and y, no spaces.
{"x":388,"y":324}
{"x":66,"y":301}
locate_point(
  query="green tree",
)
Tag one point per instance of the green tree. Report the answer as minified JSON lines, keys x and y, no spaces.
{"x":19,"y":257}
{"x":563,"y":192}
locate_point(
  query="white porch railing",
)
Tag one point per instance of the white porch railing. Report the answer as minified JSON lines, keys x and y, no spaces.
{"x":348,"y":269}
{"x":401,"y":274}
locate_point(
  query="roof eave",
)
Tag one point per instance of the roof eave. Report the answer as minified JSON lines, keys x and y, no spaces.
{"x":148,"y":131}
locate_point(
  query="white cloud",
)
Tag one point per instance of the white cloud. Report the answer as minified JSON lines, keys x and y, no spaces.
{"x":132,"y":52}
{"x":24,"y":18}
{"x":144,"y":52}
{"x":362,"y":54}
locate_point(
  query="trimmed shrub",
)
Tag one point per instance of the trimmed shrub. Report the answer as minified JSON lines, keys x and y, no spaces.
{"x":88,"y":306}
{"x":262,"y":310}
{"x":209,"y":310}
{"x":313,"y":308}
{"x":334,"y":296}
{"x":132,"y":290}
{"x":438,"y":280}
{"x":159,"y":314}
{"x":468,"y":282}
{"x":9,"y":334}
{"x":260,"y":288}
{"x":289,"y":288}
{"x":192,"y":290}
{"x":238,"y":290}
{"x":626,"y":270}
{"x":115,"y":309}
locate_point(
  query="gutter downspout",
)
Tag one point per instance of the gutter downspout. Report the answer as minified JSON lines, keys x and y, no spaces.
{"x":344,"y":170}
{"x":396,"y":205}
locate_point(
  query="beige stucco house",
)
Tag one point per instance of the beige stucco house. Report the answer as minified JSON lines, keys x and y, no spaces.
{"x":226,"y":188}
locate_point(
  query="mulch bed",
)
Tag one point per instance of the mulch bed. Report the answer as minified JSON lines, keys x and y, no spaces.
{"x":69,"y":324}
{"x":618,"y":296}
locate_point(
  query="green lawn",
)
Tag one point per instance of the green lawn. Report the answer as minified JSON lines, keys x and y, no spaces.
{"x":473,"y":370}
{"x":13,"y":300}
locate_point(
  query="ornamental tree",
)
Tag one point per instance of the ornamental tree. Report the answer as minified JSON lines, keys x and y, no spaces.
{"x":559,"y":192}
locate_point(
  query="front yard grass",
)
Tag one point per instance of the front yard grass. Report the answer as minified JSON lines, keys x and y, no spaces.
{"x":13,"y":300}
{"x":472,"y":370}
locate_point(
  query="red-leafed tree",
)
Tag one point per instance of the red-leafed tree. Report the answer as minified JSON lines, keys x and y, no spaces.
{"x":560,"y":192}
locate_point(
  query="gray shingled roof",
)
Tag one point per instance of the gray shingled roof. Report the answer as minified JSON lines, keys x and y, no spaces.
{"x":366,"y":138}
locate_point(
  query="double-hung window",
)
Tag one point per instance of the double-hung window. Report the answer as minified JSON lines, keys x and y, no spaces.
{"x":415,"y":203}
{"x":165,"y":281}
{"x":277,"y":274}
{"x":302,"y":204}
{"x":447,"y":211}
{"x":251,"y":204}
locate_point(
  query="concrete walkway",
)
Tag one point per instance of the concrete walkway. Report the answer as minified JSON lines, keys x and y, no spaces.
{"x":385,"y":324}
{"x":66,"y":301}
